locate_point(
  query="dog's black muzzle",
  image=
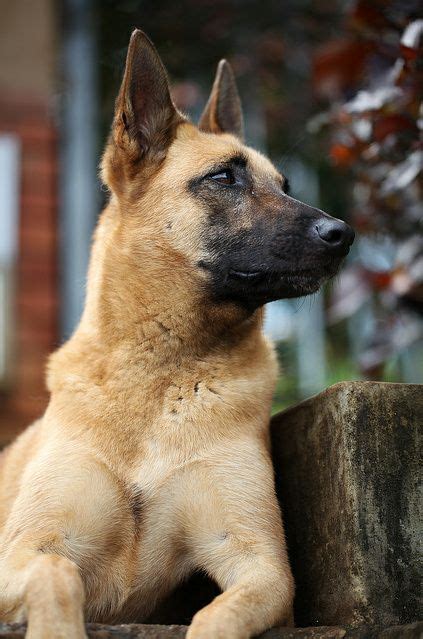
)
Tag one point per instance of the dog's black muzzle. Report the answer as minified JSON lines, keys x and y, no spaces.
{"x":287,"y":254}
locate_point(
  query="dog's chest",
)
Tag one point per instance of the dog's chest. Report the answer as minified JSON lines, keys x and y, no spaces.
{"x":181,"y":439}
{"x":194,"y":413}
{"x":153,"y":470}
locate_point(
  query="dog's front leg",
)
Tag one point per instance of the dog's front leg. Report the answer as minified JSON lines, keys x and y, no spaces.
{"x":235,"y":534}
{"x":47,"y":590}
{"x":258,"y":600}
{"x":54,"y":598}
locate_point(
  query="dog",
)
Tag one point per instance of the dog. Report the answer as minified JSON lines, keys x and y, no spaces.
{"x":152,"y":460}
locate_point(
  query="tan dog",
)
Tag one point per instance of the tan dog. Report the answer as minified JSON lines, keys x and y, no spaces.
{"x":152,"y":459}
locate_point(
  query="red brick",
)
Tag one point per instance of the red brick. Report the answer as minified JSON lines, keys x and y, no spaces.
{"x":40,"y":163}
{"x":36,"y":204}
{"x":41,"y":335}
{"x":34,"y":241}
{"x":37,"y":269}
{"x":38,"y":209}
{"x":33,"y":270}
{"x":36,"y":133}
{"x":38,"y":283}
{"x":14,"y":108}
{"x":38,"y":181}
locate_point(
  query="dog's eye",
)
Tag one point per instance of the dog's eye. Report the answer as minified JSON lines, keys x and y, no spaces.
{"x":224,"y":177}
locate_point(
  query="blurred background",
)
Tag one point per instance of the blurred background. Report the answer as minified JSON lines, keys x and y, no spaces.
{"x":331,"y":92}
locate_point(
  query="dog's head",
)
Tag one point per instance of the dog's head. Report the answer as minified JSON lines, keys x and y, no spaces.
{"x":215,"y":212}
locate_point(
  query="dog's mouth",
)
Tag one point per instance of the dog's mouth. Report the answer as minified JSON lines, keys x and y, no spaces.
{"x":264,"y":285}
{"x":249,"y":276}
{"x":254,"y":287}
{"x":268,"y":276}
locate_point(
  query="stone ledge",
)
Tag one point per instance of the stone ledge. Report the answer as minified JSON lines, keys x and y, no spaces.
{"x":143,"y":631}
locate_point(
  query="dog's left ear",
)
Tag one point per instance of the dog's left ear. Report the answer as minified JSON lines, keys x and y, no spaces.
{"x":223,"y":111}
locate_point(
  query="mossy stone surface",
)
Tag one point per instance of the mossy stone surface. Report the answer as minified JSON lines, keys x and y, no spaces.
{"x":347,"y":465}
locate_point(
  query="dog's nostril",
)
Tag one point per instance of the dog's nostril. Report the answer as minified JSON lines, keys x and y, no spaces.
{"x":335,"y":233}
{"x":333,"y":236}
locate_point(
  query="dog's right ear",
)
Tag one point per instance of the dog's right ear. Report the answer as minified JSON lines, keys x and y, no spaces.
{"x":223,"y":111}
{"x":145,"y":118}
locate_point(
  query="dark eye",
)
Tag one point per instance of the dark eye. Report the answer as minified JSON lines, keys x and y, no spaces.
{"x":286,"y":186}
{"x":224,"y":177}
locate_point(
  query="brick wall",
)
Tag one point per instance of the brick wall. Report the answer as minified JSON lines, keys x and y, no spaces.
{"x":36,"y":328}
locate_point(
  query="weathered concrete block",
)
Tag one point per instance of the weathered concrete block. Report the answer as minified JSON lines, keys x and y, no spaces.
{"x":347,"y":469}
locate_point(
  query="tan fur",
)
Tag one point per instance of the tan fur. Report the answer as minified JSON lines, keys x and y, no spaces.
{"x":152,"y":459}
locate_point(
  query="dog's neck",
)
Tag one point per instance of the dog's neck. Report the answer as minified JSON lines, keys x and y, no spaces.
{"x":158,"y":307}
{"x":142,"y":334}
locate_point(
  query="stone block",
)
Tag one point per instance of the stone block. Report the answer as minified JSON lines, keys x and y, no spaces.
{"x":347,"y":465}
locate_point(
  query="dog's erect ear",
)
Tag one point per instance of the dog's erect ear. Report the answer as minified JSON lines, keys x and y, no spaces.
{"x":145,"y":116}
{"x":223,"y":112}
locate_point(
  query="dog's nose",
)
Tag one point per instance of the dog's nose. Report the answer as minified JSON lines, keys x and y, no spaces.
{"x":337,"y":235}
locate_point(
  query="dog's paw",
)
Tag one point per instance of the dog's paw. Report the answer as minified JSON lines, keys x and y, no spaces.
{"x":55,"y":631}
{"x":214,"y":624}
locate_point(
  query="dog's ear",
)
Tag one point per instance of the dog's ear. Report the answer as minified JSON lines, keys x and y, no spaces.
{"x":145,"y":116}
{"x":223,"y":112}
